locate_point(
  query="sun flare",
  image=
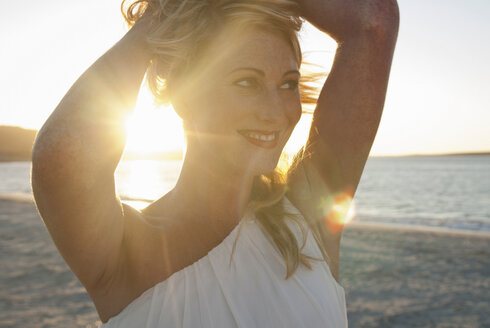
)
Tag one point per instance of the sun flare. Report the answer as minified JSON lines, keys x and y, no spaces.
{"x":339,"y":211}
{"x":151,"y":129}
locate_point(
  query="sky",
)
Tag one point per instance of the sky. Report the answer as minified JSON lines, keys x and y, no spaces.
{"x":438,"y":98}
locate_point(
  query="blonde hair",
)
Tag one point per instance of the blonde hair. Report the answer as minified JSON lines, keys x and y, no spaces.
{"x":181,"y":30}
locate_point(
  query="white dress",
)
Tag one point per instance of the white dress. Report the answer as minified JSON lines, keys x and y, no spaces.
{"x":251,"y":292}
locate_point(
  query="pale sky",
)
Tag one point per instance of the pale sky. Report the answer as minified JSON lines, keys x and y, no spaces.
{"x":438,"y":98}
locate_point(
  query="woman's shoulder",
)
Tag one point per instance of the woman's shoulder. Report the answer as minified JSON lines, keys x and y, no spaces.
{"x":158,"y":268}
{"x":141,"y":264}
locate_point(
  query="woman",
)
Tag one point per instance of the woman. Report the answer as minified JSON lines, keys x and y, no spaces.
{"x":230,"y":68}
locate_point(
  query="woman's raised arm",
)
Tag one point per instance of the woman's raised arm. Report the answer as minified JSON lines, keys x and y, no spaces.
{"x":76,"y":153}
{"x":349,"y":108}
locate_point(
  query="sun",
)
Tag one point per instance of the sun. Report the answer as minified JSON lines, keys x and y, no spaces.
{"x":151,"y":129}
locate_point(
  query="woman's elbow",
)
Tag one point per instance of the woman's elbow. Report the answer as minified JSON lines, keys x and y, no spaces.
{"x":382,"y":19}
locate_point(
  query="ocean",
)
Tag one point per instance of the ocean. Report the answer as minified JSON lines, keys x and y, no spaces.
{"x":451,"y":192}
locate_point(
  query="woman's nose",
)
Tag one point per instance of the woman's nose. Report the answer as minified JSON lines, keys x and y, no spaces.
{"x":272,"y":108}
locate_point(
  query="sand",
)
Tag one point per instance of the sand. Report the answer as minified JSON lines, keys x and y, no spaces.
{"x":393,"y":277}
{"x":415,"y":278}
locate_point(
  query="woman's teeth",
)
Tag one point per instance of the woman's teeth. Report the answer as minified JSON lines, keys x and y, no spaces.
{"x":262,"y":137}
{"x":266,"y":139}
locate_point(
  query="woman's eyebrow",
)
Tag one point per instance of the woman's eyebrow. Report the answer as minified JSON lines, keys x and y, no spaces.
{"x":260,"y":72}
{"x":292,"y":71}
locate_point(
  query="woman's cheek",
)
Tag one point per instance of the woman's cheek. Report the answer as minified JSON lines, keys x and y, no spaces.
{"x":294,"y":113}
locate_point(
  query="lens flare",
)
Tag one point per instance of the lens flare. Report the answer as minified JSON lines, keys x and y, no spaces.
{"x":153,"y":130}
{"x":339,"y":211}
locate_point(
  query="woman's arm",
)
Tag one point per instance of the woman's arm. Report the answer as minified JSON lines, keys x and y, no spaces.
{"x":349,"y":108}
{"x":76,"y":153}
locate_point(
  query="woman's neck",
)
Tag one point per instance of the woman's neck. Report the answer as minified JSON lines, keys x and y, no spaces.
{"x":208,"y":193}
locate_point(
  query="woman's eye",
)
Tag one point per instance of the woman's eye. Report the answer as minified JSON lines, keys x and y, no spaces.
{"x":291,"y":84}
{"x":246,"y":83}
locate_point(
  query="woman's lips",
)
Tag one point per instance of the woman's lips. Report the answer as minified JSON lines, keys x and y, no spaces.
{"x":263,"y":139}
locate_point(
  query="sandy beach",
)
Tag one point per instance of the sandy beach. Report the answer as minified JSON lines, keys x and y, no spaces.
{"x":415,"y":278}
{"x":393,"y":277}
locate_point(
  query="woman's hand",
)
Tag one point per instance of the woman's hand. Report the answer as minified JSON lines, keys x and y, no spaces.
{"x":344,"y":19}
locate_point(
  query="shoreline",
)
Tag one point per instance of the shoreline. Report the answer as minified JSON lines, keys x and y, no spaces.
{"x":28,"y":198}
{"x":416,"y":228}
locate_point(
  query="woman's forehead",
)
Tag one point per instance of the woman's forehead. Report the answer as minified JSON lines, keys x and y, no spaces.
{"x":254,"y":48}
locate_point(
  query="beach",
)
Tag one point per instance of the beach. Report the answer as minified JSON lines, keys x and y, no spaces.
{"x":392,"y":276}
{"x":415,"y":277}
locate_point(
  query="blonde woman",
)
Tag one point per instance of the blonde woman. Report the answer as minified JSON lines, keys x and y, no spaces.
{"x":236,"y":243}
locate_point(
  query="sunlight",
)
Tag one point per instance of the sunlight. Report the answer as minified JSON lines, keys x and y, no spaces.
{"x":344,"y":210}
{"x":340,"y":211}
{"x":138,"y":178}
{"x":142,"y":181}
{"x":299,"y":135}
{"x":152,"y":129}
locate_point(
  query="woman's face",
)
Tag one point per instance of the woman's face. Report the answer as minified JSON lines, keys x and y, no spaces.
{"x":244,"y":102}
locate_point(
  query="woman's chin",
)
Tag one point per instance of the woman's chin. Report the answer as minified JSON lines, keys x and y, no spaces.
{"x":262,"y":165}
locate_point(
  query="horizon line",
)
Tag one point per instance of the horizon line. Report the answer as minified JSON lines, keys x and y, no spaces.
{"x":176,"y":150}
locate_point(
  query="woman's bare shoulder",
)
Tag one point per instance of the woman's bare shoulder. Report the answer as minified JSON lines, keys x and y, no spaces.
{"x":142,"y":262}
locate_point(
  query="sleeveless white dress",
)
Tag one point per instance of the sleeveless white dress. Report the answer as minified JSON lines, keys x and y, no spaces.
{"x":250,"y":292}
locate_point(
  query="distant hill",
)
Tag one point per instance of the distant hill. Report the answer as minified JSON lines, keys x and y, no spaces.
{"x":16,"y":143}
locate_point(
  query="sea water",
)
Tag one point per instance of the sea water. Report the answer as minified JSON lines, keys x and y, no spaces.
{"x":437,"y":191}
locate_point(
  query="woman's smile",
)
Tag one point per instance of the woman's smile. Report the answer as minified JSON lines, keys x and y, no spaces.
{"x":260,"y":138}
